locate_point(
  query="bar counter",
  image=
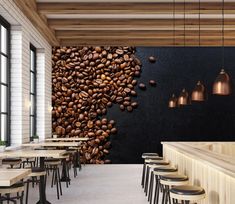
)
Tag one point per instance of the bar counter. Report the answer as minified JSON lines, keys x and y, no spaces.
{"x":210,"y":165}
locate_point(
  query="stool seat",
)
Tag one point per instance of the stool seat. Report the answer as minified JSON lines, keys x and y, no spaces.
{"x":147,"y":160}
{"x":11,"y":160}
{"x":144,"y":155}
{"x":158,"y":162}
{"x":174,"y":177}
{"x":165,"y":169}
{"x":187,"y":193}
{"x":37,"y":170}
{"x":187,"y":190}
{"x":52,"y":160}
{"x":15,"y":188}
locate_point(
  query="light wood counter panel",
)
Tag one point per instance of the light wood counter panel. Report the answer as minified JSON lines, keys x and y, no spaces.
{"x":210,"y":165}
{"x":10,"y":176}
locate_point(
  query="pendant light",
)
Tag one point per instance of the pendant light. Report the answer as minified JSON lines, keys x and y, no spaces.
{"x":183,"y":98}
{"x":222,"y":85}
{"x":198,"y":93}
{"x":173,"y":99}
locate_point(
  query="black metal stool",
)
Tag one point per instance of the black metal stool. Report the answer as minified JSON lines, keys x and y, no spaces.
{"x":6,"y":191}
{"x":160,"y":171}
{"x":35,"y":172}
{"x":146,"y":169}
{"x":145,"y":156}
{"x":170,"y":180}
{"x":12,"y":162}
{"x":186,"y":194}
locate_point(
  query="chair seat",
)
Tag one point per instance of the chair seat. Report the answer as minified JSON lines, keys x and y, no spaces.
{"x":174,"y":177}
{"x":187,"y":190}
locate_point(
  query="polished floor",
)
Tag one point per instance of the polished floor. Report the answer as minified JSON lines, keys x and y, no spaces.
{"x":100,"y":184}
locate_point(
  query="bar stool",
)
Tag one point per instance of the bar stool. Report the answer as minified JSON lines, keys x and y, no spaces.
{"x":187,"y":193}
{"x":7,"y":191}
{"x":144,"y":156}
{"x":53,"y":164}
{"x":150,"y":165}
{"x":170,"y":180}
{"x":73,"y":159}
{"x":12,"y":162}
{"x":160,"y":171}
{"x":147,"y":160}
{"x":146,"y":169}
{"x":35,"y":172}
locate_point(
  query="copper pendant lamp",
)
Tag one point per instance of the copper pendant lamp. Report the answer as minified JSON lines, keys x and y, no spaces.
{"x":199,"y":92}
{"x":222,"y":85}
{"x":183,"y":98}
{"x":172,"y":101}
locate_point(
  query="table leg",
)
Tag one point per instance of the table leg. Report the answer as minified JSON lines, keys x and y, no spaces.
{"x":42,"y":192}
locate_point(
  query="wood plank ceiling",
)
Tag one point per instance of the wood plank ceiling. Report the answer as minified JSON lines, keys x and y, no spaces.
{"x":132,"y":22}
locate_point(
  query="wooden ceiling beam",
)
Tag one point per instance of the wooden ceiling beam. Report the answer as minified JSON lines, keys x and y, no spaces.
{"x":144,"y":42}
{"x":28,"y":8}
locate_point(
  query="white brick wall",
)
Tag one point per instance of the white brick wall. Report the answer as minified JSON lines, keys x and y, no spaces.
{"x":22,"y":34}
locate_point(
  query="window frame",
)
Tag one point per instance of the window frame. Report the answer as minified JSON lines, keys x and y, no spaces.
{"x":5,"y":24}
{"x":34,"y":93}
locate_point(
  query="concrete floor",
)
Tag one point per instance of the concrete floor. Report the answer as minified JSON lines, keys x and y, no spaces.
{"x":99,"y":184}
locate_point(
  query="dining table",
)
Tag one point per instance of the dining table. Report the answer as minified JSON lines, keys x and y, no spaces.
{"x":60,"y":144}
{"x":41,"y":154}
{"x":9,"y":177}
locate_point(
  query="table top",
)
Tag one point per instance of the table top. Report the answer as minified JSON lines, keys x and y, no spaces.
{"x":10,"y":176}
{"x":33,"y":153}
{"x":68,"y":139}
{"x":52,"y":144}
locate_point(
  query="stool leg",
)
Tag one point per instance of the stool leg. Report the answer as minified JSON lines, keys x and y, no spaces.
{"x":22,"y":197}
{"x":53,"y":178}
{"x":58,"y":172}
{"x":57,"y":184}
{"x":150,"y":186}
{"x":146,"y":181}
{"x":156,"y":190}
{"x":27,"y":193}
{"x":143,"y":175}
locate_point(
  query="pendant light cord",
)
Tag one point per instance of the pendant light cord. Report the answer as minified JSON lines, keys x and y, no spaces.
{"x":223,"y":35}
{"x":199,"y":24}
{"x":174,"y":41}
{"x":184,"y":26}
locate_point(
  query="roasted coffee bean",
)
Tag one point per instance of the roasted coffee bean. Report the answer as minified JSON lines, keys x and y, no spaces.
{"x":129,"y":108}
{"x":152,"y":83}
{"x":152,"y":59}
{"x":142,"y":86}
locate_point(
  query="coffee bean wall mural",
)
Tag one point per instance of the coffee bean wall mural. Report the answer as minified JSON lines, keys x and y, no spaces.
{"x":86,"y":81}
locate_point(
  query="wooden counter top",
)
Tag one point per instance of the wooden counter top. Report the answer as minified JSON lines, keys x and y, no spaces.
{"x":52,"y":144}
{"x":201,"y":151}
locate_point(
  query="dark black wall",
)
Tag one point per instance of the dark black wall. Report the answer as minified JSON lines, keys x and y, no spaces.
{"x":176,"y":68}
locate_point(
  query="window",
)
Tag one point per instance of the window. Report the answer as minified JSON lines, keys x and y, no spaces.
{"x":32,"y":90}
{"x":5,"y":81}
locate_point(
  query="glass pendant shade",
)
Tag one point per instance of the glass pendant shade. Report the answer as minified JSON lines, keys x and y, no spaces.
{"x":183,"y":98}
{"x":172,"y":102}
{"x":222,"y":84}
{"x":199,"y":93}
